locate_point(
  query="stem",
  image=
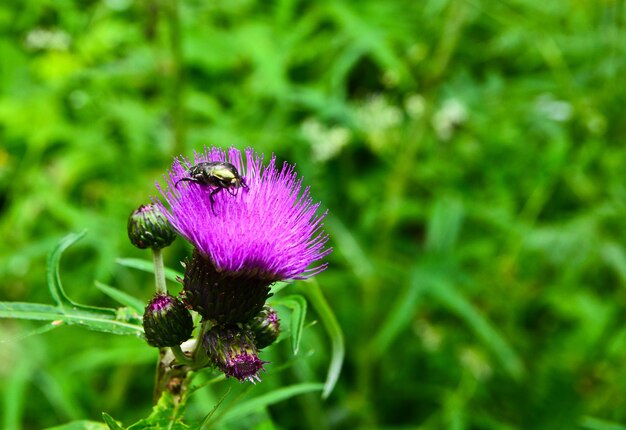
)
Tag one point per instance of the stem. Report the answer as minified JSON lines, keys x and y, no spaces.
{"x":199,"y":355}
{"x":180,"y":356}
{"x":159,"y":273}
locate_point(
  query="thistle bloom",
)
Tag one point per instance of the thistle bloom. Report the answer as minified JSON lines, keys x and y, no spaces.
{"x":245,"y":238}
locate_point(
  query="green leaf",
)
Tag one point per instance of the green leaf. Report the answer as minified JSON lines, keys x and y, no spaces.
{"x":400,"y":314}
{"x":317,"y":300}
{"x":88,"y":319}
{"x":208,"y":417}
{"x":148,"y":266}
{"x":245,"y":408}
{"x":122,"y":297}
{"x":592,"y":423}
{"x":54,"y":278}
{"x":166,"y":414}
{"x":110,"y":422}
{"x":348,"y":245}
{"x":278,"y":286}
{"x":445,"y":292}
{"x":81,"y":425}
{"x":297,"y":304}
{"x":39,"y":330}
{"x":444,"y":225}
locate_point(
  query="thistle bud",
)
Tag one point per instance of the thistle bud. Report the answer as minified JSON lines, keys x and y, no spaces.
{"x":166,"y":321}
{"x":265,"y":326}
{"x":233,"y":351}
{"x":148,"y":228}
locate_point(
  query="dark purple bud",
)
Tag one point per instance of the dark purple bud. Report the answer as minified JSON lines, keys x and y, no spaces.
{"x":265,"y":326}
{"x":148,"y":228}
{"x":233,"y":351}
{"x":166,"y":321}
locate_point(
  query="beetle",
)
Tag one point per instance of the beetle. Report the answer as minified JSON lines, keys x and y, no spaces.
{"x":220,"y":175}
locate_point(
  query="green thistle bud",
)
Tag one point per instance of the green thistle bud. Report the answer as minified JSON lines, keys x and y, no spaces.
{"x":233,"y":351}
{"x":166,"y":321}
{"x":148,"y":228}
{"x":265,"y":326}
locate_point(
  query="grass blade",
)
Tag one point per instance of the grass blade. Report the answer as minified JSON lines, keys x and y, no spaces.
{"x":317,"y":300}
{"x":244,"y":408}
{"x":298,"y":306}
{"x":400,"y":315}
{"x":453,"y":299}
{"x":122,"y":297}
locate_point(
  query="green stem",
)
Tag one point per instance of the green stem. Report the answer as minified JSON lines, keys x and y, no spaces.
{"x":199,"y":355}
{"x":180,"y":356}
{"x":159,"y":272}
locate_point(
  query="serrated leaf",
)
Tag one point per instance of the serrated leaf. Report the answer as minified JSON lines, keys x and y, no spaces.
{"x":88,"y":319}
{"x":54,"y":278}
{"x":122,"y":297}
{"x":147,"y":266}
{"x":298,"y":305}
{"x":333,"y":329}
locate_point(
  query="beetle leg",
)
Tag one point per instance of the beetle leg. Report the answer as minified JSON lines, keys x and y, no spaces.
{"x":212,"y":199}
{"x":186,"y":180}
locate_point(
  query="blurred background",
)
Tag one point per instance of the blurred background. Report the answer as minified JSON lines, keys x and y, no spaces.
{"x":470,"y":153}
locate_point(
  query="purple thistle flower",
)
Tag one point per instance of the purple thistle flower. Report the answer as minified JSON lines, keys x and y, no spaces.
{"x":269,"y":229}
{"x":245,"y":237}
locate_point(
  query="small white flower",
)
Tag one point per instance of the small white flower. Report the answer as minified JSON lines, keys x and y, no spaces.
{"x":452,"y":114}
{"x":551,"y":108}
{"x":415,"y":105}
{"x":53,"y":40}
{"x":326,"y":142}
{"x":376,"y":116}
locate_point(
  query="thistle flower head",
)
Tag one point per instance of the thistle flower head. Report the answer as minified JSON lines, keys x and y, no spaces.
{"x":233,"y":351}
{"x":268,"y":229}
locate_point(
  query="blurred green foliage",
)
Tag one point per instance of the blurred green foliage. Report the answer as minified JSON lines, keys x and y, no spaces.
{"x":470,"y":152}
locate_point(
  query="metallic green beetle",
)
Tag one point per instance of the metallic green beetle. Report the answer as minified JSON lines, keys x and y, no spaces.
{"x":217,"y":174}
